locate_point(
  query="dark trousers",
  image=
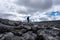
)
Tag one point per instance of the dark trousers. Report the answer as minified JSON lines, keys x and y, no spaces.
{"x":28,"y":20}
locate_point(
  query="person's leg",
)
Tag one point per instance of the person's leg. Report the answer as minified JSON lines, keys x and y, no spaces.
{"x":28,"y":20}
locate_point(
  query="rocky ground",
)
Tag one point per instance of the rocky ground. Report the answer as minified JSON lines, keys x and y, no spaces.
{"x":15,"y":30}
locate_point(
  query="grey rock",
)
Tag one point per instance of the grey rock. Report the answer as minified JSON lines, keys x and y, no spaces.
{"x":40,"y":37}
{"x":1,"y":35}
{"x":23,"y":30}
{"x":4,"y":28}
{"x":34,"y":28}
{"x":19,"y":27}
{"x":23,"y":27}
{"x":27,"y":27}
{"x":29,"y":36}
{"x":19,"y":32}
{"x":8,"y":36}
{"x":15,"y":30}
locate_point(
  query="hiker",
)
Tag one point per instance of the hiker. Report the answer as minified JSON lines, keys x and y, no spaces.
{"x":28,"y":19}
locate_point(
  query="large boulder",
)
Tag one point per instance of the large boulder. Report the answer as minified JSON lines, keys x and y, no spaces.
{"x":29,"y":35}
{"x":4,"y":28}
{"x":19,"y":32}
{"x":7,"y":36}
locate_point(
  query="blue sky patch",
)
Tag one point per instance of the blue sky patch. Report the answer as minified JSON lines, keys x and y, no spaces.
{"x":57,"y":13}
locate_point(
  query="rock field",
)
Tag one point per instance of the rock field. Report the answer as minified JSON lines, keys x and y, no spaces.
{"x":16,"y":30}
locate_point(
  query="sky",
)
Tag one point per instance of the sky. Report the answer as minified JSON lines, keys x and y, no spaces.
{"x":37,"y":10}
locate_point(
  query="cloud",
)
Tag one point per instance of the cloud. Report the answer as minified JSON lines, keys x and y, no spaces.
{"x":53,"y":13}
{"x":24,"y":6}
{"x":56,"y":2}
{"x":35,"y":5}
{"x":20,"y":9}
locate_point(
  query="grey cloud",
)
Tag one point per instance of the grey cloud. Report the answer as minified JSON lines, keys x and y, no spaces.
{"x":3,"y":15}
{"x":28,"y":11}
{"x":56,"y":2}
{"x":35,"y":5}
{"x":44,"y":19}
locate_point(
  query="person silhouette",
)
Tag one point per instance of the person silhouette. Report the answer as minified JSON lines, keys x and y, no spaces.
{"x":28,"y":19}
